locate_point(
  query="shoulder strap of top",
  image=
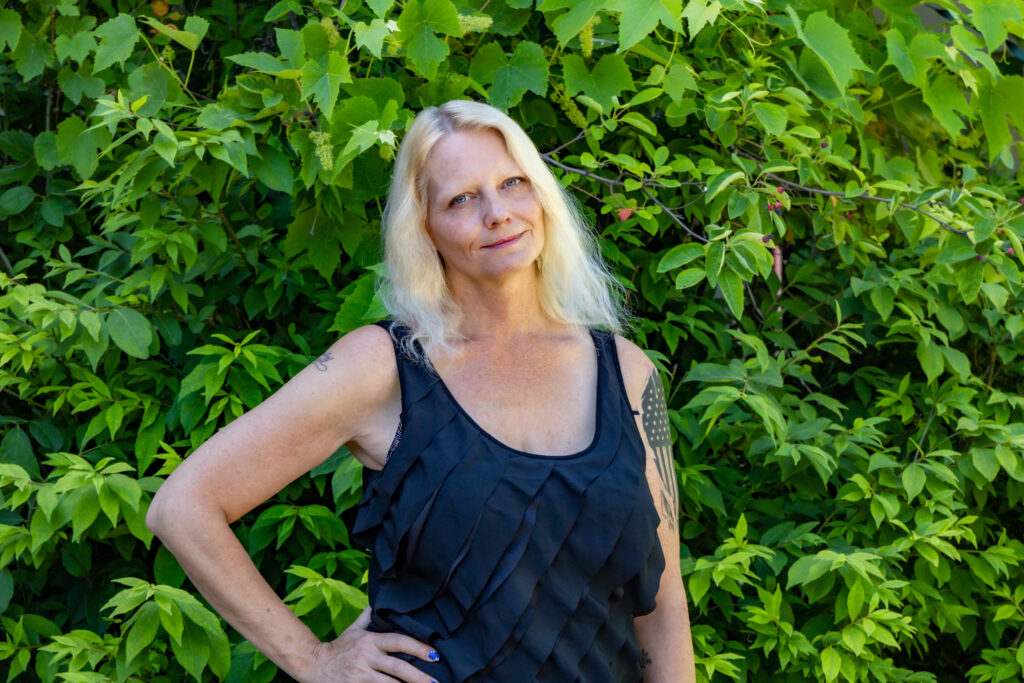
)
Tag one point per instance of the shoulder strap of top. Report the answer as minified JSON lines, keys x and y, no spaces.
{"x":414,"y":377}
{"x":608,"y":357}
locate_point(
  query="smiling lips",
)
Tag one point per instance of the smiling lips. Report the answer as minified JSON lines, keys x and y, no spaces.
{"x":505,"y":242}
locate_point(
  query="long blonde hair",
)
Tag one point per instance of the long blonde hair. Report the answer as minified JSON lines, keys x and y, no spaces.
{"x":574,"y":284}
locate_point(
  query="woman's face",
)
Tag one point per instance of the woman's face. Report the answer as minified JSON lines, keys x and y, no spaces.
{"x":483,"y":214}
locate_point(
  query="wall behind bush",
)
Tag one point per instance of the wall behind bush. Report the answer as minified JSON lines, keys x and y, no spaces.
{"x":816,"y":207}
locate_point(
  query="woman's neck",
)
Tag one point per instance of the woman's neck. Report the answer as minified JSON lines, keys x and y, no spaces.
{"x":500,"y":309}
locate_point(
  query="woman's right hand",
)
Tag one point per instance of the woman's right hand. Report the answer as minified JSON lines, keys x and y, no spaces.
{"x":361,"y":656}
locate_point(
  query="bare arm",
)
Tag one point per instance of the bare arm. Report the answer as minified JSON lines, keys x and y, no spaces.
{"x":664,"y":634}
{"x":339,"y":399}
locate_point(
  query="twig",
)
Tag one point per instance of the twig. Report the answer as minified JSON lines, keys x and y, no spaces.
{"x":582,"y":134}
{"x":672,"y":214}
{"x":610,"y":182}
{"x":7,"y":264}
{"x":830,"y":193}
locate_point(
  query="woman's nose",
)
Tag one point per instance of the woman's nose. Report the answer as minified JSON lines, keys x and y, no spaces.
{"x":496,"y":211}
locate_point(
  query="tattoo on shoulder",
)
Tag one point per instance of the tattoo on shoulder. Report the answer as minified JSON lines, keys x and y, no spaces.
{"x":321,"y":362}
{"x":654,"y":416}
{"x":645,"y":659}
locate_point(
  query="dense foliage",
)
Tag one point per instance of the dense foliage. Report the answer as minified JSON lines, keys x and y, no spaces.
{"x":816,"y":206}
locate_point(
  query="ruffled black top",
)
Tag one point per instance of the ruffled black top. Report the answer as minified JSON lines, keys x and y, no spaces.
{"x":513,"y":566}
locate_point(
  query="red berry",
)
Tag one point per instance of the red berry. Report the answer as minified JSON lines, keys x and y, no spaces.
{"x":624,"y":214}
{"x":1010,"y":251}
{"x":766,"y":238}
{"x":1021,"y":200}
{"x":780,"y":189}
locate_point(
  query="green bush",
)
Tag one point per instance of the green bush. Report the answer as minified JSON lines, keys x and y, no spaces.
{"x":815,"y":205}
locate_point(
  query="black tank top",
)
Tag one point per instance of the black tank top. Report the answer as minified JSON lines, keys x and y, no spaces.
{"x":513,"y":566}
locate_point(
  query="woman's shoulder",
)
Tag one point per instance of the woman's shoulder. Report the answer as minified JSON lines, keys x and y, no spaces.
{"x":636,"y":368}
{"x":364,"y":357}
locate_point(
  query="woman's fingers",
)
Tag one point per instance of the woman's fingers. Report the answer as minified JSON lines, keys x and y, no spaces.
{"x":363,"y":620}
{"x":402,"y":670}
{"x":396,"y":642}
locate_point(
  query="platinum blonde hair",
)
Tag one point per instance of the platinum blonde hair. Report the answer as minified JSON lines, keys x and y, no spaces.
{"x":575,"y":286}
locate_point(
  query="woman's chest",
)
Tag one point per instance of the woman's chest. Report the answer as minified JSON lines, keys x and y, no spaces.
{"x":544,"y":407}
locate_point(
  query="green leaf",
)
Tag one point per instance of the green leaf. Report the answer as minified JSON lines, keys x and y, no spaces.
{"x":958,"y":362}
{"x":510,"y":78}
{"x":76,"y":47}
{"x":274,"y":170}
{"x":117,"y":40}
{"x":10,"y":28}
{"x":154,"y":83}
{"x":831,"y":42}
{"x":912,"y":61}
{"x":419,"y":23}
{"x":380,"y":7}
{"x":805,"y":570}
{"x":882,"y":298}
{"x":698,"y":14}
{"x":263,"y":62}
{"x":968,"y":279}
{"x":991,"y":18}
{"x":913,"y":479}
{"x":945,"y":97}
{"x":930,"y":357}
{"x":609,"y":78}
{"x":131,"y":331}
{"x":567,"y":25}
{"x":166,"y":146}
{"x":15,"y":200}
{"x":32,"y":56}
{"x":16,"y":449}
{"x":371,"y":36}
{"x":720,"y":182}
{"x":689,"y":277}
{"x":639,"y":19}
{"x":831,"y":663}
{"x":75,"y":84}
{"x":143,"y":630}
{"x":732,"y":289}
{"x":189,"y":40}
{"x":6,"y":589}
{"x":1001,"y":105}
{"x":45,"y":151}
{"x":197,"y":26}
{"x":984,"y":460}
{"x":772,"y":117}
{"x":855,"y":599}
{"x":678,"y":79}
{"x":714,"y":257}
{"x":80,"y":147}
{"x":322,"y":79}
{"x":679,"y":255}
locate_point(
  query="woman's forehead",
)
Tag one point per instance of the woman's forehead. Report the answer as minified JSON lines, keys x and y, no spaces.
{"x":465,"y":155}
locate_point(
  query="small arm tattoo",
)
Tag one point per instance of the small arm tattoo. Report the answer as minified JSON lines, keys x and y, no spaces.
{"x":321,"y":362}
{"x":645,"y":659}
{"x":654,"y":416}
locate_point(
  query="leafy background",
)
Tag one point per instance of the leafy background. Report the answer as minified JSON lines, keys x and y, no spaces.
{"x":816,"y":206}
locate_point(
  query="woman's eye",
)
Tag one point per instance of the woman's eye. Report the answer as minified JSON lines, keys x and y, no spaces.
{"x":512,"y":182}
{"x":461,"y":199}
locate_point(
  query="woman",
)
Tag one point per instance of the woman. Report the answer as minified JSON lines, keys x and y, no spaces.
{"x":514,"y":457}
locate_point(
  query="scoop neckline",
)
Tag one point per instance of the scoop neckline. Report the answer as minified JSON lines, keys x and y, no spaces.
{"x":537,"y":456}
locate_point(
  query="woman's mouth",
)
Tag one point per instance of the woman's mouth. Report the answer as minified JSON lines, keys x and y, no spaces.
{"x":505,"y":242}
